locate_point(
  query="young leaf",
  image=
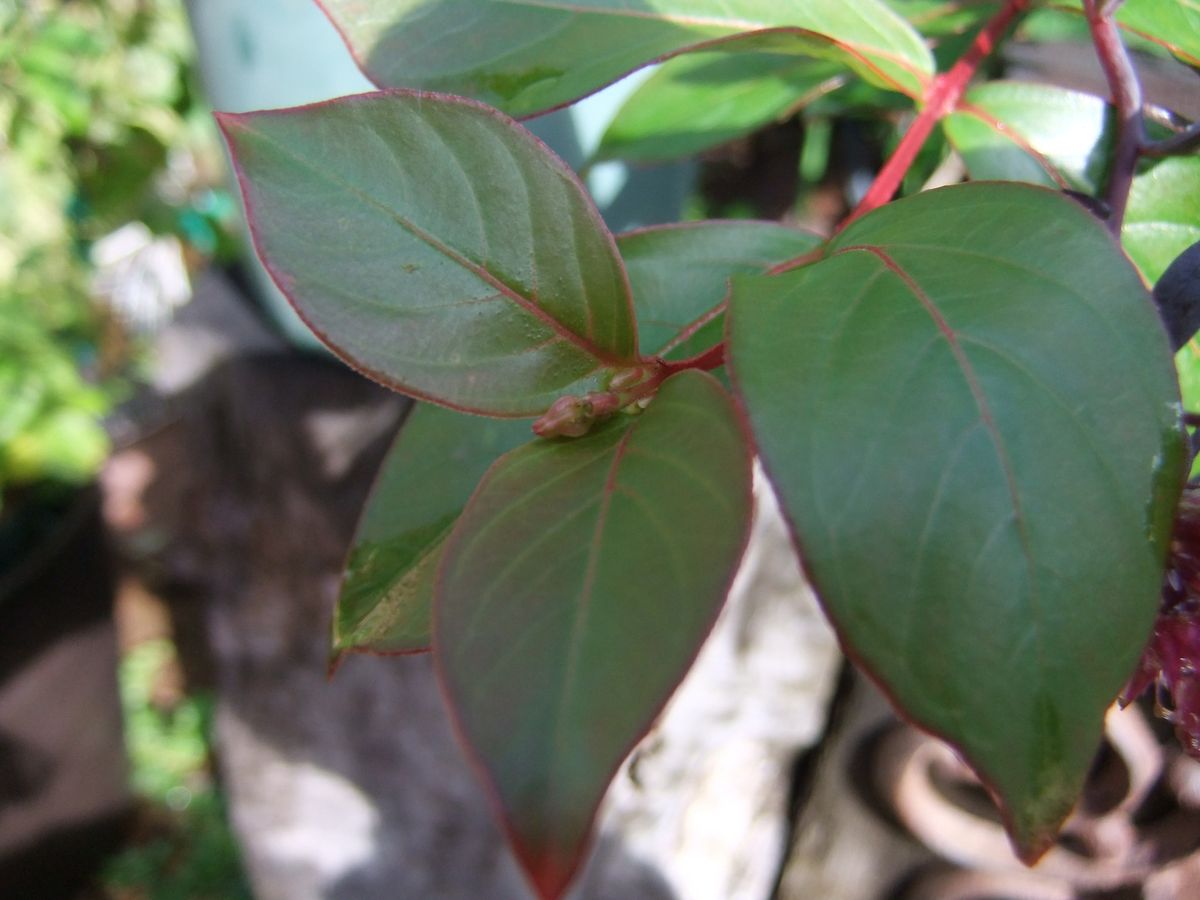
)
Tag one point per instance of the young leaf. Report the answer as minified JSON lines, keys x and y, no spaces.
{"x":969,"y":413}
{"x":700,"y":100}
{"x":436,"y":246}
{"x":574,"y":594}
{"x":680,"y":276}
{"x":526,"y":56}
{"x":1163,"y":216}
{"x":425,"y":481}
{"x":1038,"y":133}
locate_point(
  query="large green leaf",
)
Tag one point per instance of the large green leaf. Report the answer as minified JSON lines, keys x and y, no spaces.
{"x":680,"y":276}
{"x":699,"y":100}
{"x":969,"y":413}
{"x":425,"y":481}
{"x":1163,"y":216}
{"x":437,"y":246}
{"x":573,"y":596}
{"x":526,"y":56}
{"x":1016,"y":131}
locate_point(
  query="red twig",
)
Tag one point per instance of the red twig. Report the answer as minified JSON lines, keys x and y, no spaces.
{"x":712,"y":358}
{"x":1126,"y":91}
{"x":944,"y":94}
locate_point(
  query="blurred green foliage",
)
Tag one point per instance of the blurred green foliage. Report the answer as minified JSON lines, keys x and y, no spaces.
{"x":98,"y":128}
{"x":191,"y":854}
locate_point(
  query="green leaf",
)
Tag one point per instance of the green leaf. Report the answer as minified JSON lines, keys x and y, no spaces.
{"x":700,"y":100}
{"x":438,"y":247}
{"x":425,"y":481}
{"x":1163,"y":216}
{"x":574,"y":594}
{"x":1016,"y":131}
{"x":1172,"y":24}
{"x":680,"y":276}
{"x":969,"y":413}
{"x":526,"y":56}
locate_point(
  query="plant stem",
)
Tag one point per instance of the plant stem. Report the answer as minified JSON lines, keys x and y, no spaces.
{"x":1126,"y":89}
{"x":712,"y":358}
{"x":944,"y":95}
{"x":1183,"y":142}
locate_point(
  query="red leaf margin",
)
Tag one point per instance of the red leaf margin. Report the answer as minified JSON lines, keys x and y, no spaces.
{"x":551,"y":876}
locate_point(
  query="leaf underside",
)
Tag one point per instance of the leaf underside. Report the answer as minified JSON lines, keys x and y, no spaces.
{"x":427,"y":477}
{"x":573,"y":596}
{"x":969,"y":413}
{"x":527,"y":56}
{"x":700,"y":100}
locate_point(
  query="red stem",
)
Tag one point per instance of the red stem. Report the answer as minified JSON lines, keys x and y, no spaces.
{"x":944,"y":94}
{"x":712,"y":358}
{"x":1126,"y":91}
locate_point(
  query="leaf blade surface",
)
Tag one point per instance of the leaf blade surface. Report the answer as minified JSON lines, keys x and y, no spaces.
{"x":527,"y":56}
{"x":386,"y":597}
{"x":977,"y":445}
{"x":573,"y":596}
{"x":437,"y":246}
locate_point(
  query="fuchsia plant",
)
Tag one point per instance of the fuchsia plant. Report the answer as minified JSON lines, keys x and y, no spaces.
{"x":964,"y":399}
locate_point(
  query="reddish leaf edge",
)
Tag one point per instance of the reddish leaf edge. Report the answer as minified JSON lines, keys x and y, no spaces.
{"x":1028,"y":853}
{"x":338,"y":658}
{"x":228,"y":122}
{"x":923,"y":78}
{"x":550,"y":878}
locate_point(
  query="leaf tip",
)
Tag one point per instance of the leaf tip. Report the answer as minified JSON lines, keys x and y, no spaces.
{"x":336,"y":657}
{"x":1030,"y":848}
{"x":550,"y":873}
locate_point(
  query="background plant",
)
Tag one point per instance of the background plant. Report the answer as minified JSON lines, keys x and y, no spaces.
{"x":964,"y":398}
{"x":98,"y":129}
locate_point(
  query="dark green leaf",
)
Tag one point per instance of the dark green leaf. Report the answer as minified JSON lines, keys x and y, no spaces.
{"x":969,"y":413}
{"x":1017,"y":131}
{"x":526,"y":56}
{"x":1163,"y":216}
{"x":437,"y":246}
{"x":680,"y":276}
{"x":1177,"y":294}
{"x":425,"y":481}
{"x":700,"y":100}
{"x":574,"y":594}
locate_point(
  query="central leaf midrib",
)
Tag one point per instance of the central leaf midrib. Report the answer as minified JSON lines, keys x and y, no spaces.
{"x":986,"y":417}
{"x":579,"y":621}
{"x":524,"y":303}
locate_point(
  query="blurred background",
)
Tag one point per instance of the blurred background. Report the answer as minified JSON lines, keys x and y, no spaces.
{"x":181,"y":468}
